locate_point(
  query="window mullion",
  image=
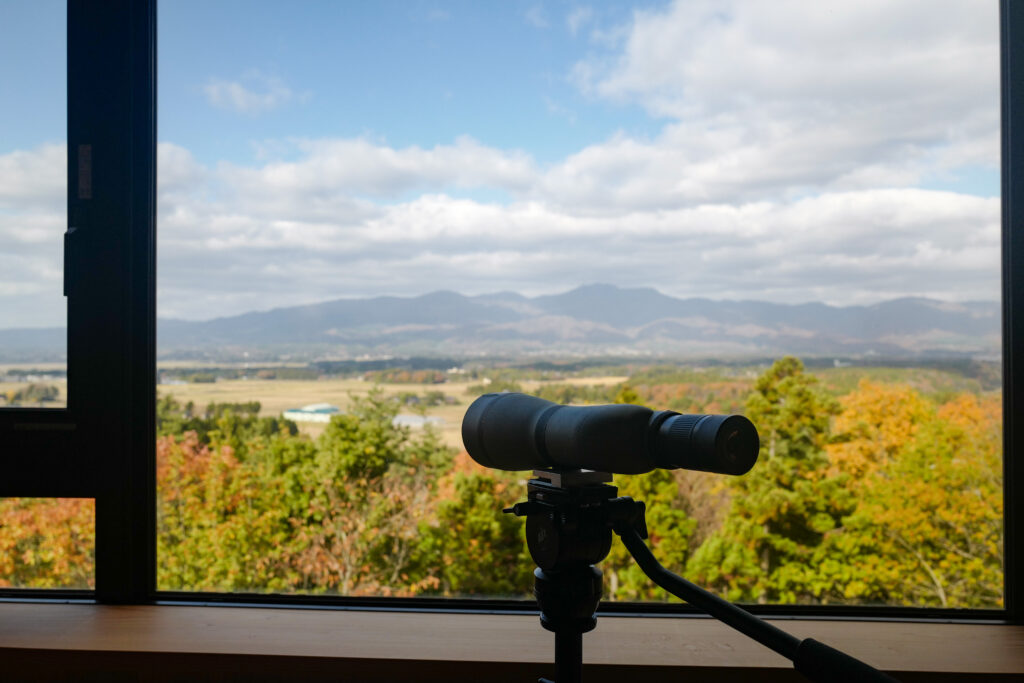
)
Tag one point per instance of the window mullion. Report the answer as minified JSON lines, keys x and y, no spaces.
{"x":111,"y":307}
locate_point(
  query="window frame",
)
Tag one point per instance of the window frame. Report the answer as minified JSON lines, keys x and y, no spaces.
{"x":102,"y":445}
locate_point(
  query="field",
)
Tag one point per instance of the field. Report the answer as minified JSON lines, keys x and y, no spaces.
{"x":277,"y":396}
{"x":10,"y":388}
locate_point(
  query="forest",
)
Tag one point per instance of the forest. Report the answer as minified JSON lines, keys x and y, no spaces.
{"x":866,"y":491}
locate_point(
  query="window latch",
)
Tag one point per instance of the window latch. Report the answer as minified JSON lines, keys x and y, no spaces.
{"x":67,"y":259}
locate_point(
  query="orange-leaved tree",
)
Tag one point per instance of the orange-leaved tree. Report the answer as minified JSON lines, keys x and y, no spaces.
{"x":47,"y":543}
{"x":927,"y":529}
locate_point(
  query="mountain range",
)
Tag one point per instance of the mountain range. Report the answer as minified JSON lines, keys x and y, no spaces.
{"x":589,"y":320}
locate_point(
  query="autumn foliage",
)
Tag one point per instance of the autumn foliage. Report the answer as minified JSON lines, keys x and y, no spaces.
{"x":878,"y":496}
{"x":47,"y":543}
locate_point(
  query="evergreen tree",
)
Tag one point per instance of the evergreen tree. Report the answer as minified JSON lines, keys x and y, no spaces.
{"x":782,"y":509}
{"x":669,"y":528}
{"x":473,"y":548}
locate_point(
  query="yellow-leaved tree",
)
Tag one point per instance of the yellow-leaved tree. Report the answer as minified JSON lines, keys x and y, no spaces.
{"x":927,"y":529}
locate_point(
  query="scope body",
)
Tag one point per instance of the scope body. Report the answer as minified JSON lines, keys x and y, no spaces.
{"x":513,"y":431}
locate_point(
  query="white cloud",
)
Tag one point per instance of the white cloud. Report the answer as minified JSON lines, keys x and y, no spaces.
{"x":577,"y":18}
{"x":333,"y":168}
{"x":788,"y":168}
{"x":34,"y":180}
{"x":33,"y":198}
{"x":762,"y":99}
{"x":709,"y":57}
{"x":536,"y":17}
{"x":253,"y":94}
{"x":839,"y":246}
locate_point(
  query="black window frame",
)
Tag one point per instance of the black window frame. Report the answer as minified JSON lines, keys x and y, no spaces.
{"x":102,"y":445}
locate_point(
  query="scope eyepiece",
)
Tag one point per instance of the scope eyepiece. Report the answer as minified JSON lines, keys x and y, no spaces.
{"x":727,"y":444}
{"x":512,"y":431}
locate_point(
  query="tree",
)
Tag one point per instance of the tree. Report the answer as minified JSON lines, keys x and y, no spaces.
{"x":47,"y":543}
{"x":669,"y":528}
{"x":369,"y":487}
{"x":875,"y":423}
{"x":927,"y":530}
{"x":782,"y":510}
{"x":472,"y":547}
{"x":627,"y":394}
{"x":220,"y":526}
{"x":33,"y":394}
{"x":235,"y":424}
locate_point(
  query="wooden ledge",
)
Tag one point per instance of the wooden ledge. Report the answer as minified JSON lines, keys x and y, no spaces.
{"x":72,"y":642}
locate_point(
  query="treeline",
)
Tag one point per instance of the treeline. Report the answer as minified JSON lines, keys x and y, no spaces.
{"x":882,"y":495}
{"x":212,"y":374}
{"x":879,"y":497}
{"x":33,"y":394}
{"x":247,"y":504}
{"x":428,"y":399}
{"x":406,"y":376}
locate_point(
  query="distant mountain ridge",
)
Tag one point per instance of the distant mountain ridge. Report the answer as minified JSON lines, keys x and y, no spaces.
{"x":589,"y":320}
{"x":601,"y":319}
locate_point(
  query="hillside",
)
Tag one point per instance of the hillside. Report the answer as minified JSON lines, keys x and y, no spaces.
{"x":588,"y":320}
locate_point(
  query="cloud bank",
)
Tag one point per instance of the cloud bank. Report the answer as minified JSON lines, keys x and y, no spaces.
{"x":799,"y":157}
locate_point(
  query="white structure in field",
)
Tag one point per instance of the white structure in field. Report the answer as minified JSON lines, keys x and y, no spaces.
{"x":416,"y":421}
{"x":316,"y":412}
{"x":323,"y":412}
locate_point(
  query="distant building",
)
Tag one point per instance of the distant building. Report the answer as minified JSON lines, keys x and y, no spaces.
{"x":316,"y":412}
{"x":416,"y":421}
{"x":323,"y":412}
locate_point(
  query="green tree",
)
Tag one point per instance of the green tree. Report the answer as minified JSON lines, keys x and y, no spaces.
{"x":370,"y":486}
{"x":782,"y":510}
{"x":33,"y":394}
{"x":340,"y":514}
{"x":669,"y":528}
{"x":472,"y":547}
{"x":233,"y":424}
{"x":220,"y":526}
{"x":627,"y":394}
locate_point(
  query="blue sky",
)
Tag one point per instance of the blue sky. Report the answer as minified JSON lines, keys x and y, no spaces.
{"x":32,"y":73}
{"x":405,"y":73}
{"x":783,"y":151}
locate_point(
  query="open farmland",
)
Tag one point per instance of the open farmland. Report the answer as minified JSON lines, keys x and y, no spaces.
{"x":277,"y":396}
{"x":11,"y":388}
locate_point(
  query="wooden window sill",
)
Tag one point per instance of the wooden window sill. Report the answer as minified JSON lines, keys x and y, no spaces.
{"x":104,"y":642}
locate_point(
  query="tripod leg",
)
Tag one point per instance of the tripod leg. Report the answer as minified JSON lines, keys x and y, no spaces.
{"x":569,"y":656}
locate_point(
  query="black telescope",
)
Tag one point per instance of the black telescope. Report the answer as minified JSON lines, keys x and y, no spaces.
{"x":511,"y":431}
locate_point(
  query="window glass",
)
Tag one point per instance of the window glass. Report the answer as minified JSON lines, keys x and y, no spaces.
{"x":33,"y":191}
{"x":47,"y":543}
{"x":370,"y":214}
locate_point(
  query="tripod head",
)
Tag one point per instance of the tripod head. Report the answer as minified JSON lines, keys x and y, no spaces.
{"x":570,"y":515}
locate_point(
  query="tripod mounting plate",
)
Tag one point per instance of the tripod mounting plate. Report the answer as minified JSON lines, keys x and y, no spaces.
{"x":570,"y":478}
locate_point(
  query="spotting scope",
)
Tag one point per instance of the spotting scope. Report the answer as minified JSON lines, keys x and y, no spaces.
{"x":512,"y":431}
